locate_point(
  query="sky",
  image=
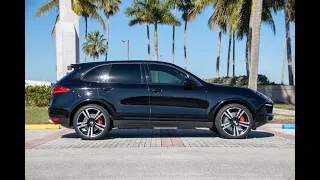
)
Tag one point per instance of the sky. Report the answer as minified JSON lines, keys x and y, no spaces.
{"x":40,"y":57}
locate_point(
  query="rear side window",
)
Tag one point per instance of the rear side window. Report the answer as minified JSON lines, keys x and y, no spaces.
{"x":98,"y":74}
{"x":125,"y":73}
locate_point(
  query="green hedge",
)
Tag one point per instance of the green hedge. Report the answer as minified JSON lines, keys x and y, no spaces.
{"x":239,"y":80}
{"x":37,"y":95}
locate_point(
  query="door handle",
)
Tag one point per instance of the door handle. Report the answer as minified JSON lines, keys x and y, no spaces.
{"x":106,"y":89}
{"x":156,"y":90}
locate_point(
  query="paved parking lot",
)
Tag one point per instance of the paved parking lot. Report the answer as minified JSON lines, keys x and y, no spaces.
{"x":160,"y":154}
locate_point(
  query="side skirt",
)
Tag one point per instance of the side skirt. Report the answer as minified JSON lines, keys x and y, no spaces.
{"x":153,"y":124}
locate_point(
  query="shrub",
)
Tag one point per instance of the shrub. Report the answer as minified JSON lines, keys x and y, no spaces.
{"x":240,"y":80}
{"x":37,"y":95}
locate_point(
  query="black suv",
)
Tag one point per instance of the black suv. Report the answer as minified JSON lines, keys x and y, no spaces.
{"x":96,"y":97}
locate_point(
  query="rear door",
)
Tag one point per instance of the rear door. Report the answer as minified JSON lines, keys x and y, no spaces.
{"x":126,"y":89}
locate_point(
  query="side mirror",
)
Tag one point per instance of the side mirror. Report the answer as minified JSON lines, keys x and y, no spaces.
{"x":189,"y":84}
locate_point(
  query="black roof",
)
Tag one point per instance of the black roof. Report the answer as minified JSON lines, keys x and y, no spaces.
{"x":117,"y":61}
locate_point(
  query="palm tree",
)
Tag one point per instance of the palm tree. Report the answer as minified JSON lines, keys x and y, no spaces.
{"x":140,"y":11}
{"x":110,"y":8}
{"x":186,"y":6}
{"x":218,"y":18}
{"x":95,"y":45}
{"x":157,"y":12}
{"x":255,"y":45}
{"x":241,"y":19}
{"x":83,"y":8}
{"x":175,"y":6}
{"x":283,"y":62}
{"x":229,"y":49}
{"x":289,"y":14}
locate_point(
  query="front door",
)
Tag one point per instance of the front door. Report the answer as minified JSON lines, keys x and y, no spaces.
{"x":169,"y":100}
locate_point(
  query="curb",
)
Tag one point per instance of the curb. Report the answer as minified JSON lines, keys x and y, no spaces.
{"x":288,"y":126}
{"x":41,"y":126}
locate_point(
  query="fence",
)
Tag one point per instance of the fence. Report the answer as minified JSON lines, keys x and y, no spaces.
{"x":279,"y":93}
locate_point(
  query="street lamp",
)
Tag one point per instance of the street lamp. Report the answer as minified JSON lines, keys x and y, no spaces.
{"x":128,"y":46}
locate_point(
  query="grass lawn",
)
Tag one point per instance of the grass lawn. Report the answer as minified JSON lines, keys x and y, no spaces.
{"x":36,"y":115}
{"x":284,"y":106}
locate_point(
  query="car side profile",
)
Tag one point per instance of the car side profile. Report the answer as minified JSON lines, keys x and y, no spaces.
{"x":96,"y":97}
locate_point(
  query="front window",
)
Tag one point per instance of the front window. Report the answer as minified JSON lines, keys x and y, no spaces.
{"x":161,"y":74}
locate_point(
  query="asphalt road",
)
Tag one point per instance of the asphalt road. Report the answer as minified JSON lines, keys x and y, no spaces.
{"x":161,"y":163}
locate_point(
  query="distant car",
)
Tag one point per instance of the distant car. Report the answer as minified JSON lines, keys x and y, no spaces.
{"x":96,"y":97}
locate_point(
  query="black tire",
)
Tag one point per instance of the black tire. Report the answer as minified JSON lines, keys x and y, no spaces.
{"x":219,"y":121}
{"x":106,"y":119}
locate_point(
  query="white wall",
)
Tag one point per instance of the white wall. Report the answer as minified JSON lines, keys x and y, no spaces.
{"x":37,"y":83}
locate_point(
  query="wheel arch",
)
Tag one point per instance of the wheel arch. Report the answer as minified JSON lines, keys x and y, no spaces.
{"x":103,"y":103}
{"x":214,"y":111}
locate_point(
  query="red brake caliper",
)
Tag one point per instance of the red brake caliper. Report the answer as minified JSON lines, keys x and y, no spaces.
{"x":241,"y":118}
{"x":99,"y":121}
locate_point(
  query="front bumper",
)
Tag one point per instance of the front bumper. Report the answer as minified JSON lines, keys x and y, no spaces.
{"x":262,"y":119}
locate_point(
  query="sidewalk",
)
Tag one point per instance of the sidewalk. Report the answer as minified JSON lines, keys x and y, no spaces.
{"x":283,"y":112}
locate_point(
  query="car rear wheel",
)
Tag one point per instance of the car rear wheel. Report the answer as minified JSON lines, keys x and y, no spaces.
{"x":234,"y":121}
{"x":91,"y":122}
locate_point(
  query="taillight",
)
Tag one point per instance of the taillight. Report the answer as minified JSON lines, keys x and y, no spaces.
{"x":59,"y":89}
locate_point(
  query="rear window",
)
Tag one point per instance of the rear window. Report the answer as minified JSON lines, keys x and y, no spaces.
{"x":125,"y":73}
{"x":98,"y":74}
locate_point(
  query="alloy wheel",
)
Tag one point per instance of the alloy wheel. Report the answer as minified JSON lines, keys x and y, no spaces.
{"x":91,"y":122}
{"x":235,"y":121}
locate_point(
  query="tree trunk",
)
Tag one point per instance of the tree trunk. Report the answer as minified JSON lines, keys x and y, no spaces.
{"x":108,"y":38}
{"x":185,"y":44}
{"x":250,"y":34}
{"x":156,"y":42}
{"x":288,"y":43}
{"x":229,"y":50}
{"x":249,"y":48}
{"x":148,"y":36}
{"x":86,"y":35}
{"x":283,"y":62}
{"x":173,"y":32}
{"x":255,"y":45}
{"x":218,"y":54}
{"x":247,"y":55}
{"x":294,"y":65}
{"x":233,"y":56}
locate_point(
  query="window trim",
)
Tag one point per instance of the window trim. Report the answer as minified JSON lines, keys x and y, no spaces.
{"x":126,"y":83}
{"x":168,"y":65}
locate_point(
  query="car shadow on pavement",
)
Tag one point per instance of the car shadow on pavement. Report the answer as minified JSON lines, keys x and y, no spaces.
{"x":167,"y":133}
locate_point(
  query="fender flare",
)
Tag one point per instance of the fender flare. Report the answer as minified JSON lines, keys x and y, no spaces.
{"x":215,"y":109}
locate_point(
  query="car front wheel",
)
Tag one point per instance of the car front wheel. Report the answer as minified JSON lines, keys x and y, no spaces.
{"x":91,"y":122}
{"x":234,"y":121}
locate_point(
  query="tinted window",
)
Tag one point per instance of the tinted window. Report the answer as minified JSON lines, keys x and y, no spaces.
{"x":98,"y":74}
{"x":125,"y":73}
{"x":161,"y":74}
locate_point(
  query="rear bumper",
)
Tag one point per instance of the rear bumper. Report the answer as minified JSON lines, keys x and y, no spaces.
{"x":262,"y":119}
{"x":62,"y":116}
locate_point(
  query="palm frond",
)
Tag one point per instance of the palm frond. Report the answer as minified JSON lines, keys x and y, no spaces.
{"x":53,"y":32}
{"x":168,"y":18}
{"x":53,"y":4}
{"x":267,"y":18}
